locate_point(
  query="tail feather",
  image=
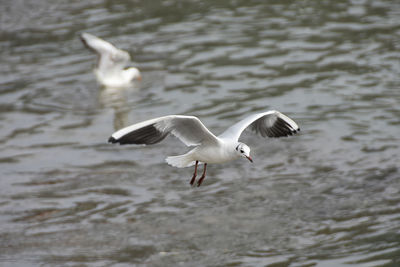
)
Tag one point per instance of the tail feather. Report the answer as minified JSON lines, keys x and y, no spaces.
{"x":180,"y":161}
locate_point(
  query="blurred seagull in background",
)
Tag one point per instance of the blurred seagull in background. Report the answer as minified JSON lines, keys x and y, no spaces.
{"x":208,"y":147}
{"x":111,"y":69}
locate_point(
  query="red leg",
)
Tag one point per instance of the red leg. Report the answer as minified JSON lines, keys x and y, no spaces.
{"x":203,"y":176}
{"x":194,"y":174}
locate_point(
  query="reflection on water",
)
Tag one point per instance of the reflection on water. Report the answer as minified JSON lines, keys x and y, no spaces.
{"x":329,"y":197}
{"x":119,"y":100}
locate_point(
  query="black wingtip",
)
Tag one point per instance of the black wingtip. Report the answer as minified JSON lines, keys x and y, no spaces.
{"x":82,"y":38}
{"x":112,"y":140}
{"x":85,"y":43}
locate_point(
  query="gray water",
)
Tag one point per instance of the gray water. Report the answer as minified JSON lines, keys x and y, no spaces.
{"x":329,"y":196}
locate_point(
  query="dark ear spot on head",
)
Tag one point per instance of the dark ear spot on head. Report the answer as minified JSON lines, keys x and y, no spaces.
{"x":237,"y":147}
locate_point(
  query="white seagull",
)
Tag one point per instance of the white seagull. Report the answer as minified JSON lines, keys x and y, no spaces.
{"x":111,"y":69}
{"x":208,"y":147}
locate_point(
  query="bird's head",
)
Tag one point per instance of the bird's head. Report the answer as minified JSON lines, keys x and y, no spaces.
{"x":244,"y":151}
{"x":132,"y":74}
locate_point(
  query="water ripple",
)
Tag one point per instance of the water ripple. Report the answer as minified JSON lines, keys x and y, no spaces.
{"x":326,"y":197}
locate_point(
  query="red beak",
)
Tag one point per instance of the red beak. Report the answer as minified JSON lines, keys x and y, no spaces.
{"x":249,"y":158}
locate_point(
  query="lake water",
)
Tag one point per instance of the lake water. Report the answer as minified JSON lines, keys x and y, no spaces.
{"x":329,"y":196}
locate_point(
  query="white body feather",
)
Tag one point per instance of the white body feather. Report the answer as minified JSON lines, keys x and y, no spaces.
{"x":221,"y":153}
{"x":110,"y":70}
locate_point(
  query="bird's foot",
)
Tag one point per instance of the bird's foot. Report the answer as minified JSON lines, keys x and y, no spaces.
{"x":192,"y":180}
{"x":201,"y":180}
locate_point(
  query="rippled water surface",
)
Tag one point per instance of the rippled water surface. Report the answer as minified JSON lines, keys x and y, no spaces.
{"x":327,"y":197}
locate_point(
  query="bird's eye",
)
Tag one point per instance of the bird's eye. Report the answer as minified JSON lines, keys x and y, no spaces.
{"x":241,"y":151}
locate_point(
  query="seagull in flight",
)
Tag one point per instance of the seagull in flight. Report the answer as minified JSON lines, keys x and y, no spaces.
{"x":111,"y":69}
{"x":208,"y":148}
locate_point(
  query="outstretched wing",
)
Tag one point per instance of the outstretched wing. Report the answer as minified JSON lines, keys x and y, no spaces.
{"x":271,"y":123}
{"x":189,"y":129}
{"x":109,"y":56}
